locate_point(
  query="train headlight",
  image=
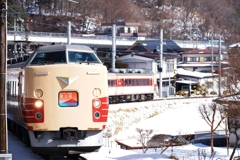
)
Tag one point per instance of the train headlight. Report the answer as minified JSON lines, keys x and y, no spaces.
{"x":38,"y":93}
{"x":38,"y":104}
{"x":96,"y":103}
{"x":97,"y":115}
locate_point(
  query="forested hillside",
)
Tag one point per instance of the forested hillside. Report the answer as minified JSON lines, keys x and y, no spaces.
{"x":180,"y":19}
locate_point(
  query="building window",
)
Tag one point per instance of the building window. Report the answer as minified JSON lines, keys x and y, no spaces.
{"x":209,"y":84}
{"x":207,"y":59}
{"x":170,"y":67}
{"x":193,"y":59}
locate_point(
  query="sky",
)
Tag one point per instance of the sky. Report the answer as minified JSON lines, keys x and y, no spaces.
{"x":188,"y":121}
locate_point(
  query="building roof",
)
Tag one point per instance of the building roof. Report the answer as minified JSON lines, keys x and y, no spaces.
{"x":155,"y":142}
{"x":153,"y":45}
{"x":196,"y":74}
{"x":155,"y":55}
{"x":200,"y":51}
{"x":209,"y":64}
{"x":208,"y":50}
{"x":122,"y":23}
{"x":132,"y":24}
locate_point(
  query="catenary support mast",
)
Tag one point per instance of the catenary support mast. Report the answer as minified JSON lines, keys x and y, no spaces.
{"x":160,"y":63}
{"x":113,"y":45}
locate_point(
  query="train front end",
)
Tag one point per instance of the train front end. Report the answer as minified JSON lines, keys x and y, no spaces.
{"x":65,"y":100}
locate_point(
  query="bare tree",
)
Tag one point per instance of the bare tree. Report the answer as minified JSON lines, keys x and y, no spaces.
{"x":213,"y":114}
{"x":113,"y":10}
{"x":144,"y":136}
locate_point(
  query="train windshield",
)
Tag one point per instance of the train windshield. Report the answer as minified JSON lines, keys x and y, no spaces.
{"x":49,"y":58}
{"x":82,"y":57}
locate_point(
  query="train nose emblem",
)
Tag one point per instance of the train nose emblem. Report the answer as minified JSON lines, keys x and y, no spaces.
{"x":96,"y":92}
{"x":67,"y":80}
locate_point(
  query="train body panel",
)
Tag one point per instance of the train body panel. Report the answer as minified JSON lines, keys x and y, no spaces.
{"x":58,"y":102}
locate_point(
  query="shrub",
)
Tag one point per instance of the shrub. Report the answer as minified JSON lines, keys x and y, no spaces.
{"x":213,"y":93}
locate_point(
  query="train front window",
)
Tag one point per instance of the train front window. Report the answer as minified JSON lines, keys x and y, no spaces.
{"x":49,"y":58}
{"x":82,"y":57}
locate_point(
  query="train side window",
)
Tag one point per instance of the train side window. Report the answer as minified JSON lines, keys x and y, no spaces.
{"x":147,"y":81}
{"x":113,"y":82}
{"x":136,"y":82}
{"x":126,"y":82}
{"x":131,"y":82}
{"x":141,"y":83}
{"x":144,"y":82}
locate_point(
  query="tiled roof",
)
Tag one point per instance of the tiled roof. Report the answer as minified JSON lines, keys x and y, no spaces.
{"x":150,"y":45}
{"x":155,"y":55}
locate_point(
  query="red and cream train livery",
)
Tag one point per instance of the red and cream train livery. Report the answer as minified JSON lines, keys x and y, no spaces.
{"x":58,"y":100}
{"x":128,"y":85}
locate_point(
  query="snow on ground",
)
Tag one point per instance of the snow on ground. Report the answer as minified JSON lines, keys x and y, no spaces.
{"x":180,"y":116}
{"x":185,"y":152}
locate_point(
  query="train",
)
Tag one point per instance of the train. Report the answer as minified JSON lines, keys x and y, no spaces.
{"x":131,"y":85}
{"x":57,"y":102}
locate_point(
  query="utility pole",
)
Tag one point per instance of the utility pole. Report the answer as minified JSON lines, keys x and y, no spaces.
{"x":69,"y":33}
{"x":3,"y":66}
{"x":27,"y":36}
{"x":15,"y":30}
{"x":212,"y":51}
{"x":160,"y":63}
{"x":113,"y":45}
{"x":219,"y":67}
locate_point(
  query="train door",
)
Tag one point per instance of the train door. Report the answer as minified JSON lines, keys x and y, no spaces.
{"x":20,"y":94}
{"x":120,"y":86}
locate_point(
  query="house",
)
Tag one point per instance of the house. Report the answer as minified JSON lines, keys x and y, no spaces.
{"x":203,"y":83}
{"x":202,"y":60}
{"x":156,"y":141}
{"x":123,"y":29}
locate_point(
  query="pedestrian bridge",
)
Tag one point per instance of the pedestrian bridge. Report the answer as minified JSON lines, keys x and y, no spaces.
{"x":92,"y":41}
